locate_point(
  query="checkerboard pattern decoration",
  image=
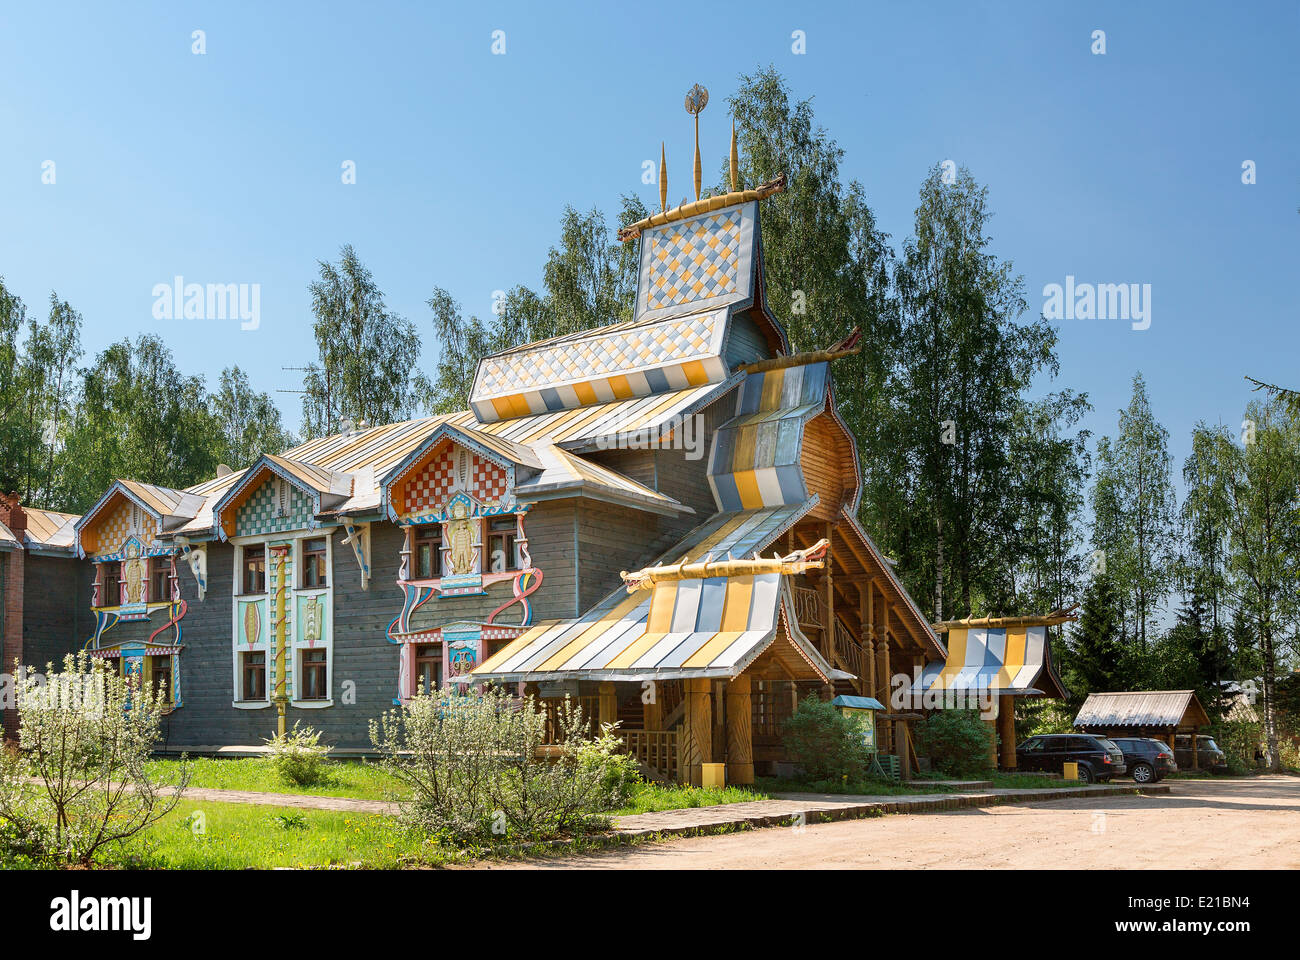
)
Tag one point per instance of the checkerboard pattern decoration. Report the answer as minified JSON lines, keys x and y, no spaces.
{"x":429,"y":488}
{"x":695,"y":259}
{"x":125,"y":521}
{"x":263,"y":512}
{"x":632,"y":361}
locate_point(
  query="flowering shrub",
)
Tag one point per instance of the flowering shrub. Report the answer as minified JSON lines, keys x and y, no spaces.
{"x":480,"y":768}
{"x":77,"y":785}
{"x":298,"y":756}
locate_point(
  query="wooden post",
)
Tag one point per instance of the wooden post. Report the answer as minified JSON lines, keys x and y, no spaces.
{"x":1196,"y":749}
{"x":697,"y":731}
{"x":901,"y":748}
{"x":829,"y":583}
{"x":1171,"y":741}
{"x":608,"y":704}
{"x":869,"y":637}
{"x":1007,"y":730}
{"x":740,"y":731}
{"x":652,"y":714}
{"x":993,"y":741}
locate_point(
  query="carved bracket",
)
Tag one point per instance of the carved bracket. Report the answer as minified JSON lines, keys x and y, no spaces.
{"x":196,"y":556}
{"x":358,"y":539}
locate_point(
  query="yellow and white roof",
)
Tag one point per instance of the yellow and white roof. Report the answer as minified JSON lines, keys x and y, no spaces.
{"x":1013,"y":660}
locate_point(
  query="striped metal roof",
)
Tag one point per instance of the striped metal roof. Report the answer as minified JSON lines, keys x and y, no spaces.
{"x":1011,"y":660}
{"x":7,"y":539}
{"x":1148,"y":708}
{"x":625,"y":617}
{"x":46,"y":528}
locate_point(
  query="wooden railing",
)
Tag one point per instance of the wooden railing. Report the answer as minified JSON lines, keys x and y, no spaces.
{"x":852,"y":657}
{"x":807,"y":607}
{"x":553,"y":707}
{"x":657,"y":749}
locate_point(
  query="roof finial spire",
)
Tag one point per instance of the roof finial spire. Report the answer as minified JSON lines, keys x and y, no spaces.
{"x":735,"y":159}
{"x":663,"y":178}
{"x":697,"y":98}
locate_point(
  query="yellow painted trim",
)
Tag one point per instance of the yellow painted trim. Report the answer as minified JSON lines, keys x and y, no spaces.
{"x":622,"y":389}
{"x":585,"y":393}
{"x":747,"y":486}
{"x":1013,"y":659}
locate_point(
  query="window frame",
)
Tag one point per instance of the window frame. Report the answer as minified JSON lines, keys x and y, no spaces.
{"x":245,"y":665}
{"x":430,"y":533}
{"x":306,"y":666}
{"x":261,"y":550}
{"x":496,"y":528}
{"x":307,"y":560}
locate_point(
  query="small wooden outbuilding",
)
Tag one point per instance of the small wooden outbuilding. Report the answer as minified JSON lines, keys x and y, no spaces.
{"x":1148,"y":713}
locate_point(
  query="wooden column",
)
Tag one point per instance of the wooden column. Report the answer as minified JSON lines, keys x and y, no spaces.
{"x":993,"y":742}
{"x":829,"y":584}
{"x":1171,"y":741}
{"x":1196,"y":749}
{"x":901,"y":749}
{"x":696,"y":744}
{"x":1007,"y":730}
{"x":869,"y":636}
{"x":608,"y":704}
{"x":652,"y":714}
{"x":740,"y":731}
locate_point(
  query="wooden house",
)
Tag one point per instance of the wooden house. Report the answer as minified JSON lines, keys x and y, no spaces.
{"x":588,"y":527}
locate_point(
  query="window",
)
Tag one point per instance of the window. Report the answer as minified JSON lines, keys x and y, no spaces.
{"x":254,"y":570}
{"x":427,"y":539}
{"x":313,"y":675}
{"x":254,"y":676}
{"x":111,"y":595}
{"x":503,"y":548}
{"x":160,"y":576}
{"x":428,"y":667}
{"x":313,"y":563}
{"x":162,"y":677}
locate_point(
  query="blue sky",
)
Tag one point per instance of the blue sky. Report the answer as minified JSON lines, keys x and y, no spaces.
{"x":226,"y":167}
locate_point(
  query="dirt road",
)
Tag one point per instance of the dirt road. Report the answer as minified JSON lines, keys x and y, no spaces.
{"x":1212,"y":824}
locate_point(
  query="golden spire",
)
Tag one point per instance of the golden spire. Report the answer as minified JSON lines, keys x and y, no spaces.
{"x":663,"y":178}
{"x":735,"y":159}
{"x":697,"y":98}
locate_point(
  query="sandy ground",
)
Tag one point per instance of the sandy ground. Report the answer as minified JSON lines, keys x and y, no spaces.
{"x":1216,"y":824}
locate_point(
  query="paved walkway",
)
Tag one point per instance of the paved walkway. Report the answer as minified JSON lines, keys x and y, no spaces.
{"x":782,"y":809}
{"x":1249,"y":823}
{"x":785,"y":808}
{"x":309,"y":802}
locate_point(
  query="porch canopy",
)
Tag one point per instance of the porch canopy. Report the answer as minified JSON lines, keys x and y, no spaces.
{"x":1163,"y":711}
{"x":1004,"y":656}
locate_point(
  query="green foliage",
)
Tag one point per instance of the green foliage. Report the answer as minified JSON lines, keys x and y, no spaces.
{"x":365,"y":352}
{"x":77,"y":788}
{"x":475,"y":767}
{"x":249,"y":421}
{"x":589,"y":281}
{"x":618,"y":775}
{"x":1134,"y":512}
{"x":956,"y":741}
{"x":298,"y":756}
{"x":823,"y":742}
{"x":1240,"y":741}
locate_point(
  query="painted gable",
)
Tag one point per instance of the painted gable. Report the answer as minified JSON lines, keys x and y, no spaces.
{"x":124,"y":521}
{"x":263,"y":512}
{"x":452,"y":469}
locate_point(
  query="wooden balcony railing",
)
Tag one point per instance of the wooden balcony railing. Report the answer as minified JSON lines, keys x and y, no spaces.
{"x":657,"y":749}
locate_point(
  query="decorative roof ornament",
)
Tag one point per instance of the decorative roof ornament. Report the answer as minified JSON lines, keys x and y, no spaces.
{"x":735,"y":159}
{"x":697,"y":98}
{"x":663,"y":179}
{"x":800,"y":561}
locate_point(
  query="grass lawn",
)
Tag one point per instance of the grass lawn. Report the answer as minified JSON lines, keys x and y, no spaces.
{"x":200,"y":835}
{"x":204,"y":835}
{"x":344,"y":778}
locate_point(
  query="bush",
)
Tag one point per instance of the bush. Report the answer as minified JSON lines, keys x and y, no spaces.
{"x":826,"y":744}
{"x":298,"y":756}
{"x":472,"y":764}
{"x":957,"y":742}
{"x":77,"y":786}
{"x":1239,"y":739}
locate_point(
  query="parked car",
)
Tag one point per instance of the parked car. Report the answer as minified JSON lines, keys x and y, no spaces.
{"x":1208,"y":755}
{"x":1098,"y":758}
{"x":1148,"y":760}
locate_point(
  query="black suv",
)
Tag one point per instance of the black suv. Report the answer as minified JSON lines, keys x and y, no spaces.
{"x":1209,"y":757}
{"x":1098,"y":758}
{"x":1148,"y":760}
